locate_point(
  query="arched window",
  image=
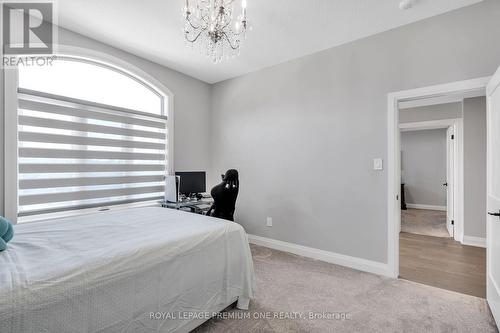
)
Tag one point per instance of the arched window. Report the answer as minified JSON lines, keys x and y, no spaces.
{"x":91,"y":81}
{"x":90,"y":136}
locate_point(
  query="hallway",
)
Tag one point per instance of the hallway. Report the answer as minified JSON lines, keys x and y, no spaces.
{"x":444,"y":263}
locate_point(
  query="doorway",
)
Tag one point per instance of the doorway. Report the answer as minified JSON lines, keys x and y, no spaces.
{"x":406,"y":250}
{"x":431,"y":252}
{"x":429,"y":163}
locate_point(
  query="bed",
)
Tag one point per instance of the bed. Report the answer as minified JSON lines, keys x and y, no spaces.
{"x":133,"y":270}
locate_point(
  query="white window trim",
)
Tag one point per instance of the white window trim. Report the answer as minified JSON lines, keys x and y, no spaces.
{"x":85,"y":211}
{"x":10,"y":106}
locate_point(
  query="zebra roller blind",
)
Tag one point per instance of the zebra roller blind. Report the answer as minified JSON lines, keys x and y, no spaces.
{"x":76,"y":154}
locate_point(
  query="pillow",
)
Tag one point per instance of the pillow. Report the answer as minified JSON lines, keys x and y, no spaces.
{"x":6,"y":233}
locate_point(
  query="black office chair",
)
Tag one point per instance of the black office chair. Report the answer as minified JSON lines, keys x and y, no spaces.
{"x":224,"y":195}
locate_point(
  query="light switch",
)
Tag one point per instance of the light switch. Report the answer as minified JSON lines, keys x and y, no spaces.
{"x":378,"y":164}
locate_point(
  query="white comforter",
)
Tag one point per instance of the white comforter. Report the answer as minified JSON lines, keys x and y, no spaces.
{"x":109,"y":271}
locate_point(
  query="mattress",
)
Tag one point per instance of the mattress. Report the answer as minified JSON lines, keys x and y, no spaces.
{"x":142,"y":270}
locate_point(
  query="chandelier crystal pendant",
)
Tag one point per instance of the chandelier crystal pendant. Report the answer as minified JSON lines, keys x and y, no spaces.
{"x":210,"y":24}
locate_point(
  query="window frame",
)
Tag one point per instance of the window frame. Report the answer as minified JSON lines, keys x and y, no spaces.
{"x":11,"y":85}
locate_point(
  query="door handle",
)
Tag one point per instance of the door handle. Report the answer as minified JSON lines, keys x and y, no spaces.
{"x":494,"y":214}
{"x":445,"y":184}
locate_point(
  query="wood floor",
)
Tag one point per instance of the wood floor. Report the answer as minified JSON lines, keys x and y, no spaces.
{"x":443,"y":263}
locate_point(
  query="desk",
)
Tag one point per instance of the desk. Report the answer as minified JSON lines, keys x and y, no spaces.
{"x":195,"y":206}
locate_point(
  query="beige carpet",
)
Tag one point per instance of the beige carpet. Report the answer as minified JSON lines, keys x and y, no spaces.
{"x":424,"y":222}
{"x":288,"y":283}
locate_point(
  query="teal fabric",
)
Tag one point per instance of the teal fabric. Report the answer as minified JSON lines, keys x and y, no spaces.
{"x":6,"y":233}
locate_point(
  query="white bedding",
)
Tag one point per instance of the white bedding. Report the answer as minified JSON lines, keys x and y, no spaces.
{"x":107,"y":272}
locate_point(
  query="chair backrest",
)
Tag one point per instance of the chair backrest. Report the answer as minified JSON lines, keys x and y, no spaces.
{"x":225,"y":195}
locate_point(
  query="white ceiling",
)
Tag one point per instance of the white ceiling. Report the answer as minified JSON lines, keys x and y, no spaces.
{"x":282,"y":29}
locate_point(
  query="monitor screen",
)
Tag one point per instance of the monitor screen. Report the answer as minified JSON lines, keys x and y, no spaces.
{"x":192,"y":182}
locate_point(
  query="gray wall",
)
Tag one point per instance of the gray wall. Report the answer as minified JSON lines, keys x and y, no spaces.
{"x":475,"y":167}
{"x":303,"y":133}
{"x":423,"y":166}
{"x":191,"y":109}
{"x":431,"y":112}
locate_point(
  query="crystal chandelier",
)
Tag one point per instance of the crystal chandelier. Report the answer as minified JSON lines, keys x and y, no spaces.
{"x":210,"y":24}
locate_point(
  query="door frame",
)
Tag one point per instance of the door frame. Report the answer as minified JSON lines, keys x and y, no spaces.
{"x":458,"y":165}
{"x":451,"y":172}
{"x":394,"y":155}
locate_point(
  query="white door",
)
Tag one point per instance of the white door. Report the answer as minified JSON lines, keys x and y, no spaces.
{"x":493,"y":220}
{"x":450,"y":158}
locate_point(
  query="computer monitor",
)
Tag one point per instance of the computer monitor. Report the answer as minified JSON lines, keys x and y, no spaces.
{"x":193,"y":182}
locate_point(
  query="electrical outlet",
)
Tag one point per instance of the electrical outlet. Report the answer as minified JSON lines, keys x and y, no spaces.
{"x":269,"y":222}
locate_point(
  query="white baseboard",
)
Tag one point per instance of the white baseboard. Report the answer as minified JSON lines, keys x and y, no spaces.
{"x":429,"y":207}
{"x":494,"y":311}
{"x":330,"y":257}
{"x":474,"y":241}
